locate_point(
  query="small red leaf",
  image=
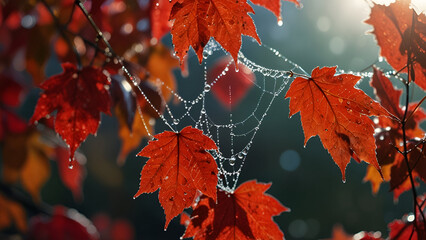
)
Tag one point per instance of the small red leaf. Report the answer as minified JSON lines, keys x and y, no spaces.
{"x":179,"y":165}
{"x":78,"y":96}
{"x":245,"y":214}
{"x":236,"y":83}
{"x":388,"y":95}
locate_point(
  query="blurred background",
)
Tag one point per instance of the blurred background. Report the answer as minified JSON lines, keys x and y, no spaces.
{"x":322,"y":33}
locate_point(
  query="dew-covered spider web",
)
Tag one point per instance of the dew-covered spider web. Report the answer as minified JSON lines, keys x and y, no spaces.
{"x":233,"y":130}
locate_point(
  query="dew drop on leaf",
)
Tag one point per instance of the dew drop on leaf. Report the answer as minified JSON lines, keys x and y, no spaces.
{"x":71,"y":163}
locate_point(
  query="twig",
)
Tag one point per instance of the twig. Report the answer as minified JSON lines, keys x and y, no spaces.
{"x":63,"y":34}
{"x":404,"y":136}
{"x":18,"y":196}
{"x":111,"y":53}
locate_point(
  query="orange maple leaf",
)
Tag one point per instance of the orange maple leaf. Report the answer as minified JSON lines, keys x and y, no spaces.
{"x":12,"y":212}
{"x":332,"y":108}
{"x":196,"y":21}
{"x":179,"y":165}
{"x":26,"y":160}
{"x":245,"y":214}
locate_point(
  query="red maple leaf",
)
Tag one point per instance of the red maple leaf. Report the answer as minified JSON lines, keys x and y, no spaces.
{"x":245,"y":214}
{"x":235,"y":83}
{"x":400,"y":34}
{"x":179,"y":165}
{"x":198,"y":20}
{"x":331,"y":107}
{"x":78,"y":96}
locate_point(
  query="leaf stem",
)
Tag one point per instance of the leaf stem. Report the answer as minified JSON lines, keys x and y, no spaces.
{"x":63,"y":34}
{"x":18,"y":196}
{"x":405,"y":118}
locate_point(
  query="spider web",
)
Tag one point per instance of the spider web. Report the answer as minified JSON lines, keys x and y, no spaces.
{"x":233,"y":131}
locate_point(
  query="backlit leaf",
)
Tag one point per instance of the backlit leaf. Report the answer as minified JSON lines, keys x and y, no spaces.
{"x":179,"y":165}
{"x":197,"y":21}
{"x":245,"y":214}
{"x":332,"y":108}
{"x":78,"y":96}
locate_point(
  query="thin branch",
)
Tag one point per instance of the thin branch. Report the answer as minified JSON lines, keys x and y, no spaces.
{"x":111,"y":53}
{"x":417,"y":107}
{"x":18,"y":196}
{"x":404,"y":136}
{"x":63,"y":34}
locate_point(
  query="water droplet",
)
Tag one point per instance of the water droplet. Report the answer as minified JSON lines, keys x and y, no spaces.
{"x":205,"y":54}
{"x":232,"y":161}
{"x":175,"y":121}
{"x":71,"y":163}
{"x":280,"y":22}
{"x":203,"y":111}
{"x":245,"y":151}
{"x":207,"y":88}
{"x":240,"y":155}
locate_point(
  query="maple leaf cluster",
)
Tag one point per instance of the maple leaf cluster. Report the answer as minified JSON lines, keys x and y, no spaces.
{"x":93,"y":81}
{"x":72,"y":101}
{"x":97,"y":78}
